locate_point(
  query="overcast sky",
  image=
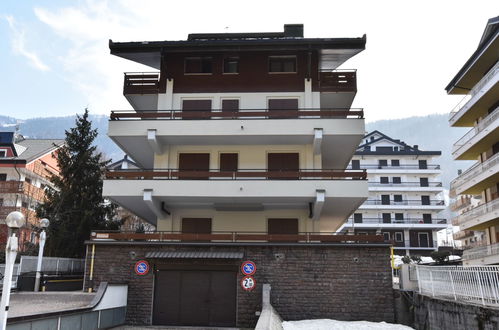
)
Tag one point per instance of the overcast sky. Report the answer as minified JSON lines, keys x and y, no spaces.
{"x":55,"y":60}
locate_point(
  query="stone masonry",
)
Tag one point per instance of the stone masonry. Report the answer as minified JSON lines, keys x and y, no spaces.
{"x":344,"y":282}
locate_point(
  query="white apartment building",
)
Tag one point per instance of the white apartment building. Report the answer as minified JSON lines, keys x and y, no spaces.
{"x":405,"y":194}
{"x":478,"y":82}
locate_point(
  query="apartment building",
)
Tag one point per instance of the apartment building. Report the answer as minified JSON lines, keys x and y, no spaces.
{"x":405,"y":194}
{"x":477,"y":81}
{"x":25,"y":169}
{"x":242,"y":140}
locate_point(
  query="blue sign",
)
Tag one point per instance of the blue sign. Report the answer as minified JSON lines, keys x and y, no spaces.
{"x":141,"y":267}
{"x":248,"y":268}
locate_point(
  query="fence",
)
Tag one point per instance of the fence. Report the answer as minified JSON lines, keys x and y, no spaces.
{"x":51,"y":265}
{"x":15,"y":274}
{"x":470,"y":284}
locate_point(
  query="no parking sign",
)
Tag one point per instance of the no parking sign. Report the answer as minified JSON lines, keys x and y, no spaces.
{"x":141,"y":267}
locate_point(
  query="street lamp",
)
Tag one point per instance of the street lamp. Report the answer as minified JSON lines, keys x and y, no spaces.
{"x":14,"y":221}
{"x":44,"y":223}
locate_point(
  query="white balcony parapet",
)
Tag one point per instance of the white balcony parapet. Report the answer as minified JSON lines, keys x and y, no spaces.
{"x":466,"y":138}
{"x":481,"y":252}
{"x":468,"y":284}
{"x":472,"y":172}
{"x":472,"y":96}
{"x":465,"y":218}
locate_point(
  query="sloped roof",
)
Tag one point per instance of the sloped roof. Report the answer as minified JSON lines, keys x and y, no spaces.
{"x":35,"y":148}
{"x":404,"y":149}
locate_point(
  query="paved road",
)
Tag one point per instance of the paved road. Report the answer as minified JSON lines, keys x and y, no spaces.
{"x":154,"y":327}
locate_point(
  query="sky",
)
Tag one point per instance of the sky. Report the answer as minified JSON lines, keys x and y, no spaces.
{"x":55,"y":60}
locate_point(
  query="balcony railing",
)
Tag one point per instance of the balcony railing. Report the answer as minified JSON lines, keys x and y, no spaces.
{"x":242,"y":237}
{"x":481,"y":252}
{"x":462,"y":234}
{"x":460,"y":202}
{"x":476,"y":212}
{"x":405,"y":184}
{"x":405,"y":202}
{"x":485,"y":79}
{"x":141,"y":83}
{"x":22,"y":187}
{"x":485,"y":123}
{"x":397,"y":221}
{"x":338,"y":81}
{"x":245,"y":174}
{"x":8,"y":187}
{"x":310,"y":113}
{"x":29,"y":214}
{"x":400,"y":167}
{"x":475,"y":170}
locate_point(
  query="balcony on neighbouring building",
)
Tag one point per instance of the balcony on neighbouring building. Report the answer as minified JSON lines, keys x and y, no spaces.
{"x":377,"y":204}
{"x":396,"y":223}
{"x":462,"y":234}
{"x":478,"y":139}
{"x":482,"y":255}
{"x":337,"y":87}
{"x":460,"y":202}
{"x":141,"y":89}
{"x":141,"y":134}
{"x":22,"y":187}
{"x":147,"y":193}
{"x":479,"y":217}
{"x":478,"y":177}
{"x":395,"y":169}
{"x":405,"y":186}
{"x":480,"y":98}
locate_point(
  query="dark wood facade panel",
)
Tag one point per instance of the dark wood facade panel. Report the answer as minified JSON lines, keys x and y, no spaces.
{"x":229,"y":162}
{"x":283,"y":162}
{"x":282,"y":226}
{"x":193,"y":162}
{"x":253,"y":73}
{"x":196,"y":226}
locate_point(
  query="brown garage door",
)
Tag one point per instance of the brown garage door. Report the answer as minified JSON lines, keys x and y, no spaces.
{"x":193,"y":162}
{"x":195,"y":298}
{"x":278,"y":162}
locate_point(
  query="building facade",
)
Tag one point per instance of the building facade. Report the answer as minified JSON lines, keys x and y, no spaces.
{"x":405,"y":194}
{"x":26,"y":166}
{"x":242,"y":140}
{"x":477,"y":81}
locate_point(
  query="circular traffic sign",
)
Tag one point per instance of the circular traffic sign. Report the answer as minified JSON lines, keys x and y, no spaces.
{"x":248,"y":283}
{"x":141,"y":267}
{"x":248,"y":268}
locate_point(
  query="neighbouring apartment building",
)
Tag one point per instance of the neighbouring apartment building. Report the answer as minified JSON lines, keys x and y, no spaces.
{"x":478,"y":80}
{"x":405,"y":194}
{"x":242,"y":142}
{"x":26,"y":166}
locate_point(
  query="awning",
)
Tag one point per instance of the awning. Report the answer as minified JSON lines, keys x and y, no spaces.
{"x":194,"y":255}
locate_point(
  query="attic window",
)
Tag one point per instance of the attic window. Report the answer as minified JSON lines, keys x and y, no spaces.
{"x":282,"y":64}
{"x":3,"y":153}
{"x":198,"y":65}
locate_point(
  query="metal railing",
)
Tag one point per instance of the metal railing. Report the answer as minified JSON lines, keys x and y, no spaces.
{"x":233,"y":237}
{"x":486,"y":122}
{"x":476,"y":212}
{"x":400,"y":167}
{"x":51,"y":265}
{"x":398,"y":221}
{"x":481,"y":252}
{"x":219,"y":114}
{"x":469,"y":284}
{"x":405,"y":184}
{"x":475,"y":170}
{"x":244,"y":174}
{"x":404,"y":202}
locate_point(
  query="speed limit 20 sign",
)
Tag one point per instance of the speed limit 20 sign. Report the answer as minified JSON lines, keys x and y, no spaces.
{"x":248,"y":283}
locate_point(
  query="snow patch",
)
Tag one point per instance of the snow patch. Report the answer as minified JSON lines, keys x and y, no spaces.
{"x":341,"y":325}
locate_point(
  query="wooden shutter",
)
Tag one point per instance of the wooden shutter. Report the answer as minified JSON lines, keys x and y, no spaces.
{"x":193,"y":162}
{"x":230,"y":105}
{"x":283,"y":226}
{"x":277,"y":162}
{"x":228,"y":162}
{"x":196,"y":226}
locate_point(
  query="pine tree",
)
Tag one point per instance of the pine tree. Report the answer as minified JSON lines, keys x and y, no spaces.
{"x":76,"y":205}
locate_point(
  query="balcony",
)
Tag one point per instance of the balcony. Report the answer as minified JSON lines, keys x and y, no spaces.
{"x":462,"y":234}
{"x":482,"y":255}
{"x":404,"y":204}
{"x":22,"y":187}
{"x":147,"y":193}
{"x":30,"y":215}
{"x":141,"y":89}
{"x":460,"y":202}
{"x":409,"y":223}
{"x":237,"y":237}
{"x":481,"y":97}
{"x":338,"y":87}
{"x":480,"y":217}
{"x":141,"y":134}
{"x":478,"y":139}
{"x":405,"y":186}
{"x":401,"y":169}
{"x":478,"y":177}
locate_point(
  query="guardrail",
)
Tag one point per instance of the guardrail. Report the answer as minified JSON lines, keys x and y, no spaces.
{"x":462,"y":234}
{"x":253,"y":174}
{"x":470,"y":284}
{"x":475,"y":170}
{"x":219,"y":114}
{"x":475,"y":131}
{"x":405,"y":184}
{"x":233,"y":237}
{"x":404,"y":202}
{"x":400,"y":167}
{"x":481,"y":252}
{"x":398,"y":221}
{"x":338,"y":81}
{"x":141,"y":83}
{"x":476,"y":212}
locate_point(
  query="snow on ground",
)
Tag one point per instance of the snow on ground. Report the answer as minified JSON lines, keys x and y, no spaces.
{"x":340,"y":325}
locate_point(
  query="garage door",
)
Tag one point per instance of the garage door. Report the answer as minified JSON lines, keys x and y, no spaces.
{"x":195,"y":298}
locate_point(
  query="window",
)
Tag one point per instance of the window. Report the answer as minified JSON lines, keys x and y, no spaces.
{"x":423,"y":182}
{"x":423,"y":240}
{"x":28,"y":180}
{"x":382,"y":162}
{"x":197,"y":65}
{"x":283,"y":104}
{"x":3,"y":177}
{"x":24,"y":204}
{"x":386,"y":236}
{"x":423,"y":165}
{"x":426,"y":217}
{"x":425,"y":200}
{"x":282,"y":64}
{"x":230,"y":105}
{"x":355,"y":164}
{"x":387,"y":217}
{"x":399,"y":236}
{"x":397,"y":180}
{"x":383,"y":179}
{"x":384,"y":149}
{"x":385,"y":199}
{"x":395,"y":162}
{"x":1,"y":202}
{"x":3,"y":153}
{"x":231,"y":65}
{"x":397,"y":198}
{"x":228,"y":162}
{"x":357,"y":217}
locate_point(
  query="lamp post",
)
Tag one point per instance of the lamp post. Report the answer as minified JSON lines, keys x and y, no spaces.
{"x":44,"y":223}
{"x":14,"y":221}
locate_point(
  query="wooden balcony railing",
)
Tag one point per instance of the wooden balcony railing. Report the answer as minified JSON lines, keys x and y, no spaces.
{"x":175,"y":174}
{"x":22,"y":187}
{"x":141,"y":83}
{"x":9,"y":187}
{"x":338,"y":81}
{"x":218,"y":114}
{"x":232,"y":237}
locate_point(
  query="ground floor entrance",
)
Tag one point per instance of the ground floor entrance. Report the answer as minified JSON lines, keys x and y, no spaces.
{"x":195,"y":297}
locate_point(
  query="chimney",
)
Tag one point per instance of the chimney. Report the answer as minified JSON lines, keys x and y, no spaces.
{"x":416,"y":146}
{"x":293,"y":30}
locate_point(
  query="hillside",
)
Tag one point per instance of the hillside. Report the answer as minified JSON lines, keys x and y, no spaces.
{"x":429,"y":132}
